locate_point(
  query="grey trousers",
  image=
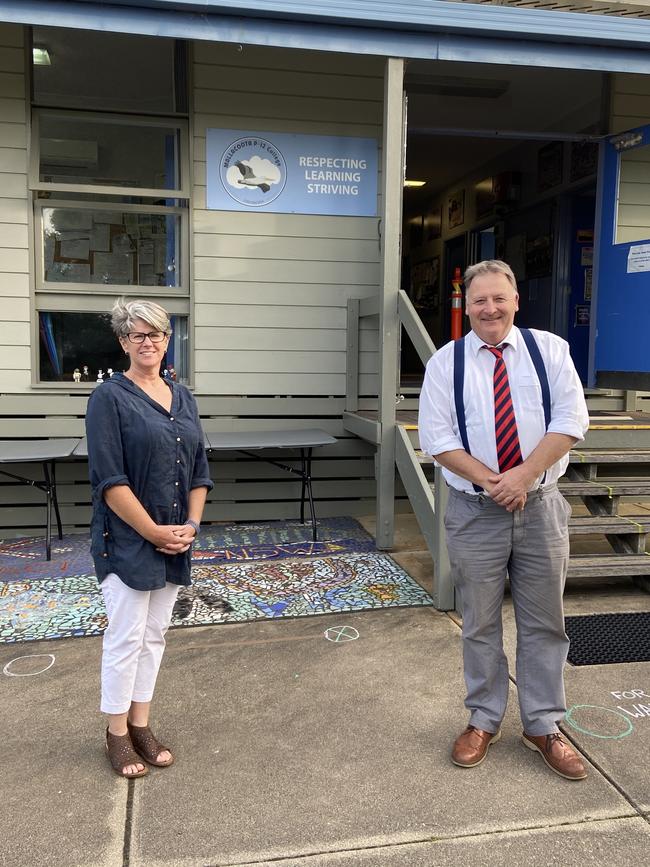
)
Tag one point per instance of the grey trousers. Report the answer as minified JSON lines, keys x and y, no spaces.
{"x":532,"y":546}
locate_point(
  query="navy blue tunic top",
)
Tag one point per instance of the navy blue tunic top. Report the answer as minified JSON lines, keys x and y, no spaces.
{"x":134,"y":441}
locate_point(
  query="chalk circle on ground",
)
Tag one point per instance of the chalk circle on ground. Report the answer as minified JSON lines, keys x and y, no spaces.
{"x":595,"y":716}
{"x":341,"y":633}
{"x":32,"y":656}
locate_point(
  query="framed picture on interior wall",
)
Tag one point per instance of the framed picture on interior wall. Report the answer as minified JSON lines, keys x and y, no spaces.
{"x":425,"y":284}
{"x":584,"y":160}
{"x":456,"y":209}
{"x":433,"y":224}
{"x":549,"y":166}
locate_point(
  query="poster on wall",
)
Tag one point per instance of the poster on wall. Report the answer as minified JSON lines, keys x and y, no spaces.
{"x":456,"y":209}
{"x":283,"y":173}
{"x":425,"y":284}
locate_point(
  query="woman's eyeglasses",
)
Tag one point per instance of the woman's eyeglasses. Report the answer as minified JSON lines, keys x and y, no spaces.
{"x":154,"y":336}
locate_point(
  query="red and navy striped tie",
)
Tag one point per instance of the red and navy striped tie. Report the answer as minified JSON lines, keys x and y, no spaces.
{"x":505,"y":424}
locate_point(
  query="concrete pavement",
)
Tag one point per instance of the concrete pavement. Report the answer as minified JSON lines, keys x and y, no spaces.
{"x":302,"y":752}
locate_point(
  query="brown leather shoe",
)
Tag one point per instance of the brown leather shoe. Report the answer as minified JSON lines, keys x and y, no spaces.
{"x":470,"y":748}
{"x":557,"y":754}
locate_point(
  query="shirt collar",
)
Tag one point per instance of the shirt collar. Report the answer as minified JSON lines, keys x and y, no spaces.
{"x":511,"y":338}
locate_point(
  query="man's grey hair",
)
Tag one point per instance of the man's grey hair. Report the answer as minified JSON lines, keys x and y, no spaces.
{"x":490,"y":266}
{"x":125,"y":313}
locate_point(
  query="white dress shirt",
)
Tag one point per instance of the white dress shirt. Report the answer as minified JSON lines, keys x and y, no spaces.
{"x":438,"y":424}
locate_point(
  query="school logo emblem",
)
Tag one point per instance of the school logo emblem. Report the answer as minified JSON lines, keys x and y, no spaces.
{"x":253,"y":171}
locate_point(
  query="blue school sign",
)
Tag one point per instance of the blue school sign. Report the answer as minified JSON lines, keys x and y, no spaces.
{"x":291,"y":174}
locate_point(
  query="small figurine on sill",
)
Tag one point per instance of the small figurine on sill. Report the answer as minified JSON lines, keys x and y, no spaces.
{"x":100,"y":375}
{"x":85,"y":375}
{"x":109,"y":372}
{"x":76,"y":375}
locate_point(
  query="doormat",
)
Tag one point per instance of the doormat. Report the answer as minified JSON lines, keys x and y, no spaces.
{"x":605,"y":639}
{"x":225,"y":590}
{"x":22,"y":559}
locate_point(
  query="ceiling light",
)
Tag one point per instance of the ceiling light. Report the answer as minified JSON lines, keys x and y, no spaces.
{"x":41,"y":56}
{"x":414,"y":183}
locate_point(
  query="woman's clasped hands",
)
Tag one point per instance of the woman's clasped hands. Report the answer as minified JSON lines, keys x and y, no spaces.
{"x":173,"y":538}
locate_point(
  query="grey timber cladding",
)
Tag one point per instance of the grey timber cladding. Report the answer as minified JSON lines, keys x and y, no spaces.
{"x":271,"y":289}
{"x":269,"y":295}
{"x":14,"y":222}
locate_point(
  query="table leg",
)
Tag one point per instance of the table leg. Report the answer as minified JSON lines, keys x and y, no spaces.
{"x":55,"y":500}
{"x":303,"y":487}
{"x":306,"y":459}
{"x":48,"y":506}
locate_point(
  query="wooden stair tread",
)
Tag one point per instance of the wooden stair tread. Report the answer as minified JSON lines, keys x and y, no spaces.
{"x":614,"y":565}
{"x":609,"y":524}
{"x":609,"y":456}
{"x":595,"y":488}
{"x":605,"y":488}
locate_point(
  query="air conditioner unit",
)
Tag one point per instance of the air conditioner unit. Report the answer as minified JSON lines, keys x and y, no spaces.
{"x":66,"y":152}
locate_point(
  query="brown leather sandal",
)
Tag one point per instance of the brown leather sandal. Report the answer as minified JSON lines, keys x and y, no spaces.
{"x":147,"y":746}
{"x":121,"y":754}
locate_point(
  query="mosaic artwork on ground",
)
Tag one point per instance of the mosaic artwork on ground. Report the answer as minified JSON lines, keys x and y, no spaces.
{"x":223,"y":591}
{"x":295,"y":588}
{"x":25,"y":558}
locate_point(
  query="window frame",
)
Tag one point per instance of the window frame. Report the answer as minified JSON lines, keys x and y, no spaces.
{"x":44,"y":286}
{"x":180,"y":124}
{"x":67,"y":303}
{"x":83,"y":297}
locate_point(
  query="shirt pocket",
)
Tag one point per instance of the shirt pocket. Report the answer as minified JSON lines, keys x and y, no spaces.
{"x":529,"y":394}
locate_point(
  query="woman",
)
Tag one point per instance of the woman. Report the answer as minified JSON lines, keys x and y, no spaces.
{"x":150,"y":478}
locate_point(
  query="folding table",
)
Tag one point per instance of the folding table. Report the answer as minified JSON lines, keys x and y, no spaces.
{"x":45,"y":452}
{"x":248,"y":442}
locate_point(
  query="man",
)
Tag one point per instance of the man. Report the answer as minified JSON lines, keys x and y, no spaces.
{"x":501,"y":429}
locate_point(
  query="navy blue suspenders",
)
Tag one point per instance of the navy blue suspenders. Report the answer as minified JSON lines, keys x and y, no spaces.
{"x":459,"y":382}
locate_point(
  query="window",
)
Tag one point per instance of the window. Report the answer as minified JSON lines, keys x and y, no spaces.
{"x":111,"y":191}
{"x":107,"y":244}
{"x":633,"y":199}
{"x":81,"y":347}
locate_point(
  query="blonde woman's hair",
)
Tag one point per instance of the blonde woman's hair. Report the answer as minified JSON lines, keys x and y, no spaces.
{"x":489,"y":266}
{"x":125,"y":313}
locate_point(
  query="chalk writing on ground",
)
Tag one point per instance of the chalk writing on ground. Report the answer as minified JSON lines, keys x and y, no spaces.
{"x":341,"y":633}
{"x":610,"y":723}
{"x":597,"y":721}
{"x":43,"y":667}
{"x":638,"y":709}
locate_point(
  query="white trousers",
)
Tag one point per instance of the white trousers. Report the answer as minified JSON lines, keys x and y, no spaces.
{"x":134,"y":641}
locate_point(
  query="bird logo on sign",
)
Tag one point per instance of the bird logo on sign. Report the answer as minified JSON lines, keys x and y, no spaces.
{"x":249,"y":179}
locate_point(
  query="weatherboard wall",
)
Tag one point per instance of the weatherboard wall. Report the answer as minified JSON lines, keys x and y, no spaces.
{"x":269,"y":292}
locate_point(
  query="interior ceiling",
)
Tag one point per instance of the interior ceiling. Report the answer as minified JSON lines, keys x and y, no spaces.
{"x":488,"y":97}
{"x":87,"y":69}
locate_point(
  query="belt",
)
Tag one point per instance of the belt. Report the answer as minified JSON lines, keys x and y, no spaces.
{"x":485,"y":498}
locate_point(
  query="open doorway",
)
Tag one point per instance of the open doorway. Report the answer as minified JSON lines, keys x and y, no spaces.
{"x":508,"y":156}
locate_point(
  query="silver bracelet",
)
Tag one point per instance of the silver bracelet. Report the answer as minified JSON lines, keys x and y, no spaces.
{"x":197,"y":526}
